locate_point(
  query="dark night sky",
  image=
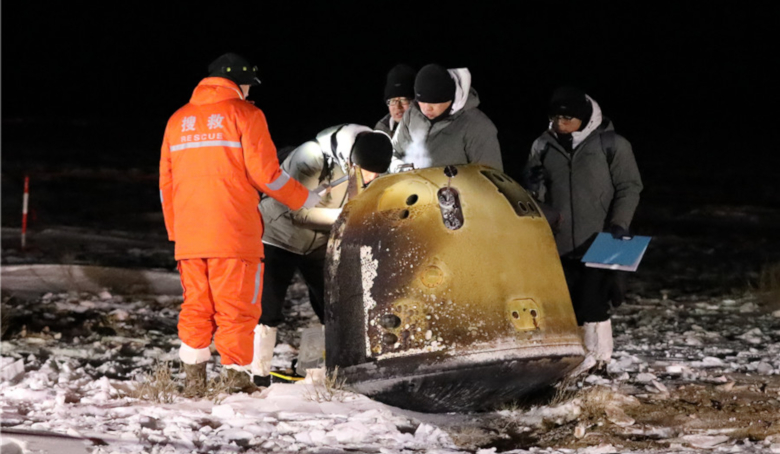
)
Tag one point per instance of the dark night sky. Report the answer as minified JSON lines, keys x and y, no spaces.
{"x":678,"y":79}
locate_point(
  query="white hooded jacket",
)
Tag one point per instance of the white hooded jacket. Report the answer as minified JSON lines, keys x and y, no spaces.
{"x":465,"y":135}
{"x":323,"y":160}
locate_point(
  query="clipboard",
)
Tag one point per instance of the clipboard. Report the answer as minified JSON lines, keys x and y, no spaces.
{"x":623,"y":254}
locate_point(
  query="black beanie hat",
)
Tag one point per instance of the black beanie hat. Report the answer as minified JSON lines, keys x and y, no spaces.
{"x":570,"y":101}
{"x":236,"y":68}
{"x":400,"y":82}
{"x":434,"y":84}
{"x":372,"y":151}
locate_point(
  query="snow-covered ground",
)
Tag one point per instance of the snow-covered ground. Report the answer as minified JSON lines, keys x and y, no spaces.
{"x":689,"y":372}
{"x":696,"y":364}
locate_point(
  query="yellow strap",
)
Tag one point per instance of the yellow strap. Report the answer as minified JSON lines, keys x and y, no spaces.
{"x":285,"y":377}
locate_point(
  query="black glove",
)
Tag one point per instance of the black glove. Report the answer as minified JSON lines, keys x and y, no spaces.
{"x":537,"y":174}
{"x":618,"y":232}
{"x":534,"y":178}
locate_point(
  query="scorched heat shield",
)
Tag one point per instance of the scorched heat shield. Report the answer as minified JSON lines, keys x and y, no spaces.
{"x":446,"y":293}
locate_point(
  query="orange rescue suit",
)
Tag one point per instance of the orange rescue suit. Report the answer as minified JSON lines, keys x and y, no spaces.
{"x":216,"y":155}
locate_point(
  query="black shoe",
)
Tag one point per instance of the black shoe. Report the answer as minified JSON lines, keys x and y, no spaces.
{"x":262,"y":381}
{"x":601,"y":370}
{"x":239,"y":381}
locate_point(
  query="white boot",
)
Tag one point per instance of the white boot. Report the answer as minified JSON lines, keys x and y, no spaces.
{"x":587,"y":364}
{"x":602,"y":351}
{"x":265,"y":341}
{"x":597,"y":340}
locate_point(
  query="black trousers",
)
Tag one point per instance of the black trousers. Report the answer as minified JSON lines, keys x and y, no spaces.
{"x":593,"y":290}
{"x":280,"y":267}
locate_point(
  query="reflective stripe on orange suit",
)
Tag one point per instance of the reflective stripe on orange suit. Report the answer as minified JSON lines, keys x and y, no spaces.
{"x":216,"y":155}
{"x":209,"y":186}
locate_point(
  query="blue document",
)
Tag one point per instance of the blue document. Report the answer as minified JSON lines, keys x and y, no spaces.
{"x":616,"y":254}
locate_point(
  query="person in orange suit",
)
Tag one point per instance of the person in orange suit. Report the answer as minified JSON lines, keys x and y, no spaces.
{"x":216,"y":155}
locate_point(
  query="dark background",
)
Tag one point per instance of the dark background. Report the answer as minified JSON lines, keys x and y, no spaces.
{"x":88,"y":85}
{"x":693,"y":72}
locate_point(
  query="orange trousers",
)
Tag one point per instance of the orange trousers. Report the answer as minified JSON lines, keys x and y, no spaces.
{"x":221,"y":301}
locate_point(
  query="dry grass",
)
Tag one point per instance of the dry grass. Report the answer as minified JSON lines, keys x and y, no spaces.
{"x":600,"y":415}
{"x":218,"y":388}
{"x":600,"y":403}
{"x":552,"y":395}
{"x":471,"y":438}
{"x":5,"y":319}
{"x":159,"y":385}
{"x":510,"y":407}
{"x":769,"y":285}
{"x":565,"y":391}
{"x":330,"y":390}
{"x":596,"y":398}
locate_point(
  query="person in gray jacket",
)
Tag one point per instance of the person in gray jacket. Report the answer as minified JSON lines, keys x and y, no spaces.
{"x":443,"y":126}
{"x":587,"y":173}
{"x":399,"y":93}
{"x":297,"y":240}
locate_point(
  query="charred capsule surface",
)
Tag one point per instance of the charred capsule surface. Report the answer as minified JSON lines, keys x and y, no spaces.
{"x":417,"y":309}
{"x":389,"y":321}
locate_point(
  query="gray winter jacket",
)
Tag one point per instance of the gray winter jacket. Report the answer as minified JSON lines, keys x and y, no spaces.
{"x":593,"y":187}
{"x":313,"y":164}
{"x":465,"y":136}
{"x":386,"y":125}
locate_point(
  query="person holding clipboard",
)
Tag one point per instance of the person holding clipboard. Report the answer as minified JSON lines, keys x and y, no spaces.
{"x":587,"y":173}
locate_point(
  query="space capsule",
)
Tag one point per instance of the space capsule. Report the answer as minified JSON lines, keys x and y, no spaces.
{"x":445,"y":292}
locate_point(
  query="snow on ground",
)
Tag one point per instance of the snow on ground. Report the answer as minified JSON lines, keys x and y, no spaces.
{"x":71,"y":363}
{"x":696,"y":364}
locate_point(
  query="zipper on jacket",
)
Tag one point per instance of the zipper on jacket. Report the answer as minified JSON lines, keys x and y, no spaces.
{"x":571,"y":197}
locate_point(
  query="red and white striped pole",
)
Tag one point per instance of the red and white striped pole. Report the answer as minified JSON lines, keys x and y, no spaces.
{"x":25,"y":200}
